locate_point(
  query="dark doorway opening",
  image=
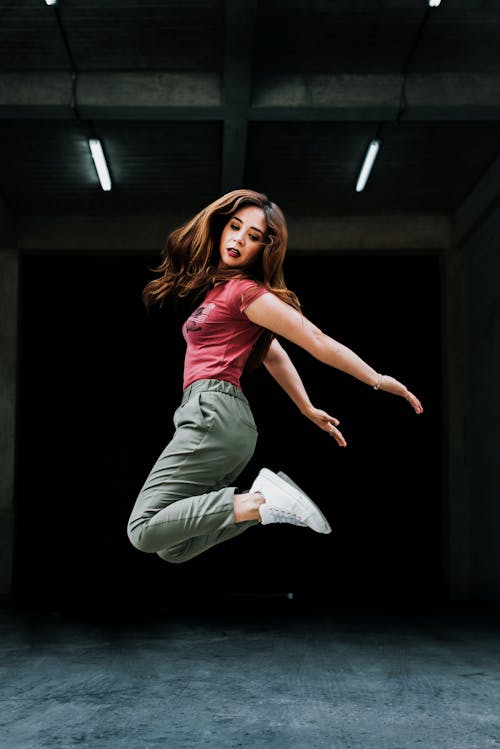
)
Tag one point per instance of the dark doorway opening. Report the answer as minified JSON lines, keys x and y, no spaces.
{"x":100,"y":380}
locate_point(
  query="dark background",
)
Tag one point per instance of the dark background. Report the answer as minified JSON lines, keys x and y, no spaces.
{"x":100,"y":380}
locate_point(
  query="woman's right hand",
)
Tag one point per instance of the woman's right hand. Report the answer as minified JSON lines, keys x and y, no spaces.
{"x":391,"y":385}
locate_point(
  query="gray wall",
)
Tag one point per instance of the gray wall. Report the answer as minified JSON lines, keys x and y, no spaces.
{"x":9,"y":285}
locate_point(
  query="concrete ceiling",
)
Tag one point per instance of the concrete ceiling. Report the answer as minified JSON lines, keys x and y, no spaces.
{"x":194,"y":97}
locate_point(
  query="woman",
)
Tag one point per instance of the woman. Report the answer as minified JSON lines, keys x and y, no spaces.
{"x":231,"y":255}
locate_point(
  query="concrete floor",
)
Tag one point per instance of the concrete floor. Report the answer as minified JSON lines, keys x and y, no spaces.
{"x":252,"y":675}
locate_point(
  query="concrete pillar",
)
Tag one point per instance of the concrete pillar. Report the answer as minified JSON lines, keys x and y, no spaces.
{"x":9,"y":302}
{"x":482,"y":312}
{"x":457,"y":537}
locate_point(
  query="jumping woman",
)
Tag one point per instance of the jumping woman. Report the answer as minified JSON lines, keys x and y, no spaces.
{"x":230,"y":258}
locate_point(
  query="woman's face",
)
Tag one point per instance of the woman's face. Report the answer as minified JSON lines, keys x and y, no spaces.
{"x":242,"y":238}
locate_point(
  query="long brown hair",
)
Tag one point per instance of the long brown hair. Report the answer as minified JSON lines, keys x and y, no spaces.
{"x":191,"y":258}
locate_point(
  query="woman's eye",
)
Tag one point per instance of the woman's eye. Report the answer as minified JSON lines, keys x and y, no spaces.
{"x":235,"y":227}
{"x":253,"y":238}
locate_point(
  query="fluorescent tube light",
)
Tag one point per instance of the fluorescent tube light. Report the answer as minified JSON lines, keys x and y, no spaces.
{"x":100,"y":163}
{"x":434,"y":3}
{"x":370,"y":157}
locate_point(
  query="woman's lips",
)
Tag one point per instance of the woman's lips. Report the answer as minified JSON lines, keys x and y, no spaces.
{"x":233,"y":252}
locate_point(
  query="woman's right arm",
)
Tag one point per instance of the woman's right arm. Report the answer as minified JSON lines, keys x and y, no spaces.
{"x":270,"y":312}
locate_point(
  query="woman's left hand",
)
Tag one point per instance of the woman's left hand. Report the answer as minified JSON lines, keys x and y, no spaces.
{"x":327,"y":423}
{"x":390,"y":385}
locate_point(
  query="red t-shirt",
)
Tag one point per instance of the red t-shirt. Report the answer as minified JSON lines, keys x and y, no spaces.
{"x":219,"y":335}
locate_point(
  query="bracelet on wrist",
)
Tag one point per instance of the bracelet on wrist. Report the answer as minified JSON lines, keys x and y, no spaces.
{"x":380,"y":378}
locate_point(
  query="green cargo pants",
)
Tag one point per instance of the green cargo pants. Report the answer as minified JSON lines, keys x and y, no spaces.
{"x":186,"y":503}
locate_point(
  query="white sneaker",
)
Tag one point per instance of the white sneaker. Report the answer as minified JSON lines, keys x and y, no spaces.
{"x":287,"y":503}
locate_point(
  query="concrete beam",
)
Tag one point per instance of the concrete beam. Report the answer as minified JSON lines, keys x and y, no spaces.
{"x":66,"y":232}
{"x":326,"y":96}
{"x":9,"y":292}
{"x":112,"y":95}
{"x":147,"y":232}
{"x":366,"y":96}
{"x":476,"y":206}
{"x":393,"y":232}
{"x":195,"y":96}
{"x":453,"y":96}
{"x":237,"y":79}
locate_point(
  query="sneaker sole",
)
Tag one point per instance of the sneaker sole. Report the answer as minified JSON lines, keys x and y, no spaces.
{"x":300,"y":496}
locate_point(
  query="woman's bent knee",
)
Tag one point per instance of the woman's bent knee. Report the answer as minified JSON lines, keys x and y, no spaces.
{"x":176,"y":554}
{"x":139,"y":540}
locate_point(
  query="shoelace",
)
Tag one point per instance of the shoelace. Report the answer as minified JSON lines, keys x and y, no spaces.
{"x":283,"y":516}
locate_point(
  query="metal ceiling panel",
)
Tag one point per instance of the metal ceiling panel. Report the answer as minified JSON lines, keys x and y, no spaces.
{"x":375,"y":36}
{"x":312,"y":168}
{"x":230,"y":70}
{"x":30,"y":38}
{"x":113,"y":35}
{"x":319,"y":37}
{"x":462,"y":37}
{"x":151,"y":164}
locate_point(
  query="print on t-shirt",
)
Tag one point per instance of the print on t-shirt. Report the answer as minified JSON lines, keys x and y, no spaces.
{"x":199,"y":316}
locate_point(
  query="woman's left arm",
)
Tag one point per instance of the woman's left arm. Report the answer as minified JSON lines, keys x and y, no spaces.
{"x":280,"y":366}
{"x":272,"y":313}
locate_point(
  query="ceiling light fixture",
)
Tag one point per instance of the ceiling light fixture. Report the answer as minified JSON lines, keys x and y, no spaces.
{"x":434,"y":3}
{"x":370,"y":157}
{"x":51,"y":2}
{"x":100,"y":163}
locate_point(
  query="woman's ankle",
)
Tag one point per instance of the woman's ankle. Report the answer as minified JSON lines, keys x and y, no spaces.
{"x":246,"y":507}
